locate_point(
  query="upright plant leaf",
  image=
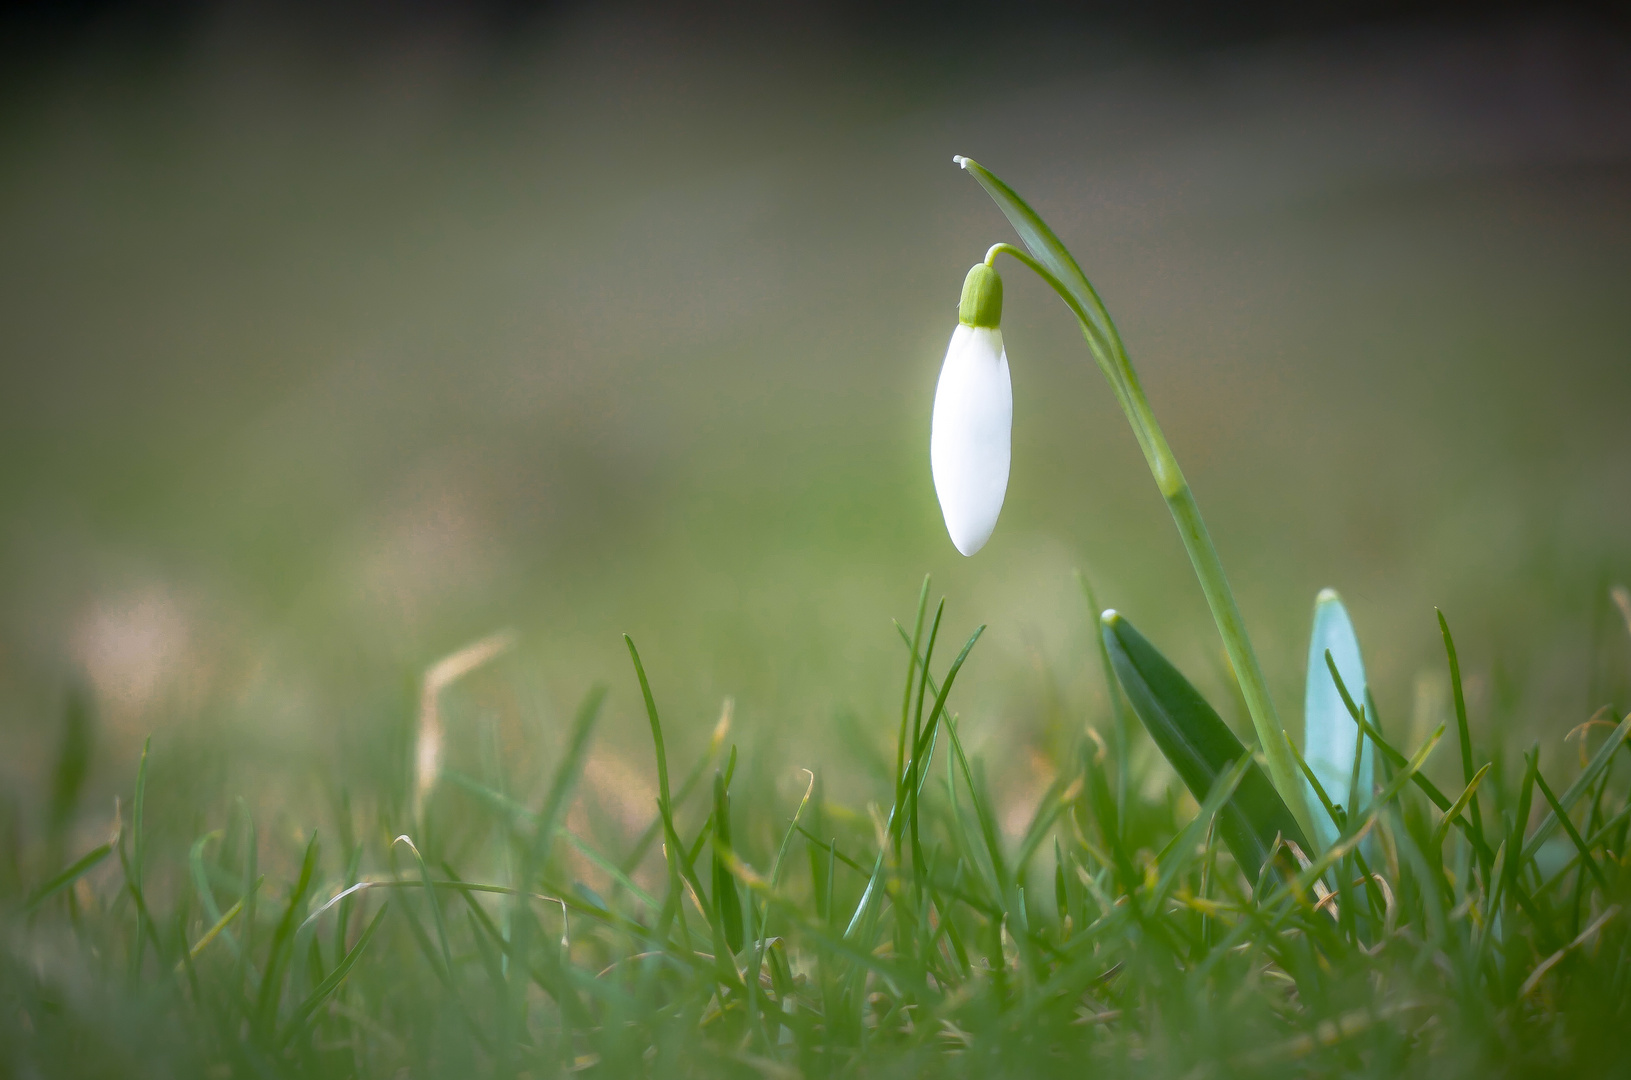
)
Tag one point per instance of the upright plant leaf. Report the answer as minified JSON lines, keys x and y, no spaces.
{"x":1582,"y":784}
{"x":1199,"y":745}
{"x":1329,"y":732}
{"x":67,"y":877}
{"x":726,"y":898}
{"x":73,"y":759}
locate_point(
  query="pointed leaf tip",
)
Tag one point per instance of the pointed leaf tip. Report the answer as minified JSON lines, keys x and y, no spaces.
{"x":1330,"y":736}
{"x":1110,"y":617}
{"x":1199,"y":745}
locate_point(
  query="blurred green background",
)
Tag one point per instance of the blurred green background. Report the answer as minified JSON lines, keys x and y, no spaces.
{"x":322,"y":361}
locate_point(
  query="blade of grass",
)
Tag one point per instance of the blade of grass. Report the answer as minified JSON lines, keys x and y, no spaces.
{"x":566,"y":773}
{"x":444,"y":973}
{"x":244,"y":975}
{"x":1336,"y":816}
{"x":912,"y":675}
{"x":1184,"y":847}
{"x":982,"y":812}
{"x":271,"y":987}
{"x":725,"y":897}
{"x":1438,"y":798}
{"x":1102,"y":801}
{"x":923,"y":738}
{"x":692,"y":781}
{"x":1468,"y":794}
{"x":1551,"y":961}
{"x":906,"y":792}
{"x":145,"y":929}
{"x":724,"y":965}
{"x":342,"y":920}
{"x":332,"y":983}
{"x":201,"y":879}
{"x":1122,"y":730}
{"x":1350,"y":839}
{"x":1462,"y":729}
{"x":664,"y":806}
{"x":80,"y":867}
{"x":1602,"y":834}
{"x":512,"y":809}
{"x":138,"y":839}
{"x":1411,"y":769}
{"x":437,"y":918}
{"x":1520,"y":820}
{"x":1574,"y":791}
{"x":132,"y":867}
{"x":1054,"y":801}
{"x":1580,"y":845}
{"x":210,"y":935}
{"x":775,"y":878}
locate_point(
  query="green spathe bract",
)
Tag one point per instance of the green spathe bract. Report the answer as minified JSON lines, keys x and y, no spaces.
{"x":1200,"y":746}
{"x":981,"y":304}
{"x":1330,"y":735}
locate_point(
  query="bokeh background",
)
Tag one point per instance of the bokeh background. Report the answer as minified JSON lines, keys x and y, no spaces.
{"x":333,"y":342}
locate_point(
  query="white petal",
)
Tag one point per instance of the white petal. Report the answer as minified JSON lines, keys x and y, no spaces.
{"x":969,"y":438}
{"x":1329,"y":732}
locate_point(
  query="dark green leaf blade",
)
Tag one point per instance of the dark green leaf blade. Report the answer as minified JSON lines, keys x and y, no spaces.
{"x":725,"y":895}
{"x":1199,"y":745}
{"x":81,"y":865}
{"x":1581,"y":785}
{"x":73,"y":759}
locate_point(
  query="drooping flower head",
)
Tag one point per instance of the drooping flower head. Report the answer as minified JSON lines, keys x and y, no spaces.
{"x":973,"y":416}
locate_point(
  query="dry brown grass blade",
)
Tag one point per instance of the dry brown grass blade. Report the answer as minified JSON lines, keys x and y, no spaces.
{"x":438,"y":677}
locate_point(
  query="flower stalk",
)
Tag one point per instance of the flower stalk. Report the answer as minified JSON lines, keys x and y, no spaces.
{"x":1048,"y":258}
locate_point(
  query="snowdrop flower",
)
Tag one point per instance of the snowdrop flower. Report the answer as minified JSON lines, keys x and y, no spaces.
{"x":973,"y":416}
{"x":1329,"y":733}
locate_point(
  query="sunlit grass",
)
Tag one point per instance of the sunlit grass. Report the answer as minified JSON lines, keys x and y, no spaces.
{"x":792,"y":936}
{"x":243,"y":521}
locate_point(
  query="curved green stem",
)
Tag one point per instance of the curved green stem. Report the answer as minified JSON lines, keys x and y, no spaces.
{"x":1096,"y":342}
{"x":1107,"y":349}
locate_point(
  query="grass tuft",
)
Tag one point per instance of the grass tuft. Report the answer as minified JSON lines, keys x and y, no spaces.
{"x":1110,"y":930}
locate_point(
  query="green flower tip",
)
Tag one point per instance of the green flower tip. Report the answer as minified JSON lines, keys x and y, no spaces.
{"x":1111,"y":617}
{"x":982,"y":298}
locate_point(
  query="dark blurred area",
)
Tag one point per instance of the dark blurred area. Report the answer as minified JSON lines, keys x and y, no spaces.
{"x":955,"y":27}
{"x":337,"y":337}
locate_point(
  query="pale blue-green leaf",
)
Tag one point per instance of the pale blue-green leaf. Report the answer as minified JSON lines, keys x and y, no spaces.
{"x":1329,"y":732}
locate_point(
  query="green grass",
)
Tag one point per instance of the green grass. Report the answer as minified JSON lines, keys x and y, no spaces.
{"x":779,"y":935}
{"x":585,"y":339}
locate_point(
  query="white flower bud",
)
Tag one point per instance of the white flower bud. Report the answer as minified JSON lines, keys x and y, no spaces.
{"x":973,"y":417}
